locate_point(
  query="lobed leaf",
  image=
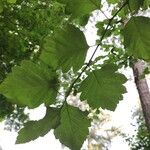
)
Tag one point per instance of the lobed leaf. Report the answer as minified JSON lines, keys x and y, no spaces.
{"x":103,"y":88}
{"x":73,"y":129}
{"x":65,"y":49}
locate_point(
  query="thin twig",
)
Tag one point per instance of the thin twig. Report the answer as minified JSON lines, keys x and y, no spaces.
{"x":103,"y":13}
{"x":89,"y":63}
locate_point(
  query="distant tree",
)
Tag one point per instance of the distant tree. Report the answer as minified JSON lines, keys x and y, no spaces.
{"x":102,"y":131}
{"x":141,"y":139}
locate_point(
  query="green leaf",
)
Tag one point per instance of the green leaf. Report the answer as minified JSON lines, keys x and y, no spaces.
{"x":82,"y":21}
{"x":65,"y":49}
{"x":33,"y":129}
{"x":100,"y":28}
{"x":146,"y":4}
{"x":103,"y":88}
{"x":30,"y":85}
{"x":73,"y":129}
{"x":112,"y":1}
{"x":79,"y":8}
{"x":137,"y":36}
{"x":11,"y":1}
{"x":135,"y":4}
{"x":1,"y":6}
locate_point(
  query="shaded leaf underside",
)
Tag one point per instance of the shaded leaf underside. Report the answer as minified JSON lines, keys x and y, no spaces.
{"x":30,"y":85}
{"x":73,"y":129}
{"x":65,"y":49}
{"x":137,"y":37}
{"x":33,"y":129}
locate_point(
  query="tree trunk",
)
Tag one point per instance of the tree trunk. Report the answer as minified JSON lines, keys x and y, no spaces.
{"x":143,"y":89}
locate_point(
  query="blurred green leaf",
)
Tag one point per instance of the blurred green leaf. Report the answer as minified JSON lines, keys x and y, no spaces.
{"x":135,"y":5}
{"x":78,"y":8}
{"x":11,"y":1}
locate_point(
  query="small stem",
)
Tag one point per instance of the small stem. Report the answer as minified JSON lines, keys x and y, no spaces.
{"x":103,"y":13}
{"x":89,"y":63}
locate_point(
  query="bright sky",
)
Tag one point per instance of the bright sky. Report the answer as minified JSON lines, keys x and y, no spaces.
{"x":121,"y":117}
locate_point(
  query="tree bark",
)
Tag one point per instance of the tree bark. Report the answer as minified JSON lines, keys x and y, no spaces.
{"x":143,"y":89}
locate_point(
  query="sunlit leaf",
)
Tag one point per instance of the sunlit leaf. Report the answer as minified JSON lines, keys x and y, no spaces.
{"x":73,"y":129}
{"x":103,"y":87}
